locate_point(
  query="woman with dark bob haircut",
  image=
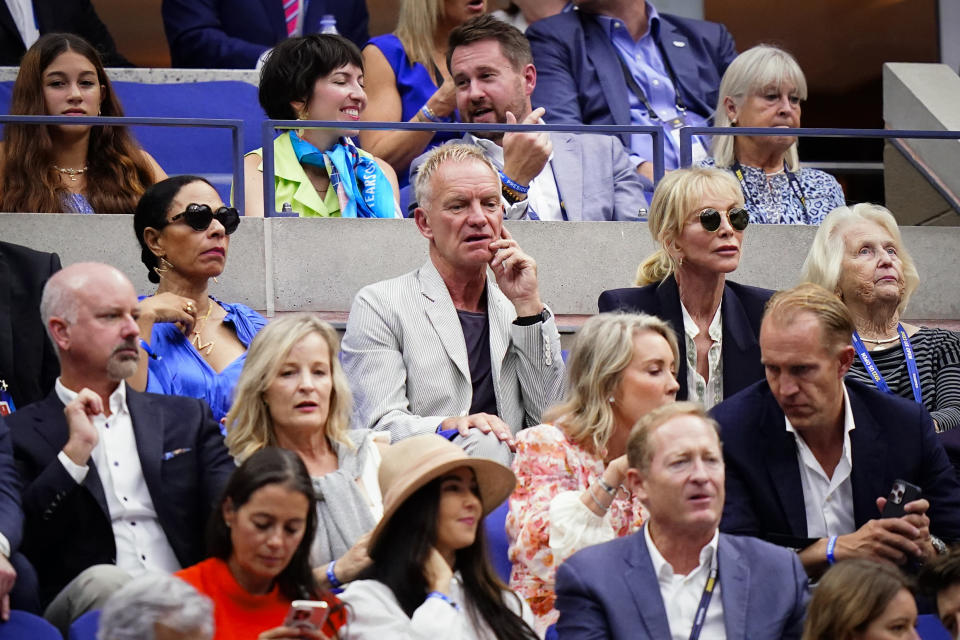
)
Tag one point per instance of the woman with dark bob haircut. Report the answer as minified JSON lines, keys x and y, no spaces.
{"x":192,"y":344}
{"x":319,"y":172}
{"x":862,"y":599}
{"x":430,"y":576}
{"x":69,"y":168}
{"x":259,"y":546}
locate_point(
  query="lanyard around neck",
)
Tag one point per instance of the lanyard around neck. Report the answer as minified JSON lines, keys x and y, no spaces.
{"x":795,"y":185}
{"x":874,"y":372}
{"x":701,"y":617}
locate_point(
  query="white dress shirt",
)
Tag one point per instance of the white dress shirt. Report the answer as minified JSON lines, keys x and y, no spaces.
{"x":681,"y":594}
{"x":828,"y":501}
{"x":543,"y":197}
{"x":142,"y":546}
{"x":709,"y":392}
{"x":22,"y":13}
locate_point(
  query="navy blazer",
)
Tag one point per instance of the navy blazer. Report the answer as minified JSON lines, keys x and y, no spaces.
{"x":232,"y":34}
{"x":741,"y":310}
{"x":610,"y":591}
{"x":894,"y":438}
{"x":68,"y":528}
{"x":28,"y":362}
{"x":59,"y":16}
{"x":579,"y":78}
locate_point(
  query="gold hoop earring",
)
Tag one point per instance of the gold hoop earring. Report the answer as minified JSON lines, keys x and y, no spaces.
{"x":163,"y":266}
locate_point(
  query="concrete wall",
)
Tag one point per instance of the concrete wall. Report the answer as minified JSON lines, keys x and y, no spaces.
{"x":290,"y":264}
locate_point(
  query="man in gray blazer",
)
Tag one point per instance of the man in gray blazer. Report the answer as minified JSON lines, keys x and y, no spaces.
{"x":548,"y":176}
{"x":447,"y":348}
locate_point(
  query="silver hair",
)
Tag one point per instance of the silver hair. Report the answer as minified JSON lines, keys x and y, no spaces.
{"x":132,"y":612}
{"x":450,"y":152}
{"x":753,"y":70}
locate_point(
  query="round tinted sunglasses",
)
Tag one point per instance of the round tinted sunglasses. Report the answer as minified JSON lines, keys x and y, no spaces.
{"x":199,"y":217}
{"x":738,"y":216}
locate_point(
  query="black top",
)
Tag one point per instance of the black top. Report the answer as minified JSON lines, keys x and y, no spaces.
{"x":476,"y":336}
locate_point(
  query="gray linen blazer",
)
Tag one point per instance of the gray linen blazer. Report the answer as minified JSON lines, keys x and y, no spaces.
{"x":406,"y":359}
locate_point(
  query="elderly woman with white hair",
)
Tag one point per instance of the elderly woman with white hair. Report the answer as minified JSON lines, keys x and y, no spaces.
{"x":156,"y":606}
{"x":763,"y":87}
{"x":858,"y":253}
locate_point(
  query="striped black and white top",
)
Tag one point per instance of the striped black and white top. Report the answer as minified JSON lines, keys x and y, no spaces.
{"x":938,"y":363}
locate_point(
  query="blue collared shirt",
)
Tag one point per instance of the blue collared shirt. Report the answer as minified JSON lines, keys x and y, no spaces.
{"x":647,"y":66}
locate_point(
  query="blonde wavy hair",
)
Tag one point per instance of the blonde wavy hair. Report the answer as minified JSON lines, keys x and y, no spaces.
{"x":416,"y":26}
{"x":677,"y":195}
{"x":249,"y":423}
{"x":750,"y":73}
{"x":602,"y":351}
{"x":824,"y":262}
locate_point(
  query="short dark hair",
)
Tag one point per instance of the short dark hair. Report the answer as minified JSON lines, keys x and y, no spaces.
{"x":270,"y":465}
{"x":941,"y":573}
{"x":513,"y":43}
{"x":151,"y":211}
{"x":294,"y":65}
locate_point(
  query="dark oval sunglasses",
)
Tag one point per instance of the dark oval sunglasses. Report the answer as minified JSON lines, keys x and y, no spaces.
{"x":738,"y":216}
{"x":199,"y":217}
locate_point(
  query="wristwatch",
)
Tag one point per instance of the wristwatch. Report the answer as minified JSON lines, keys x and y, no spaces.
{"x":526,"y":321}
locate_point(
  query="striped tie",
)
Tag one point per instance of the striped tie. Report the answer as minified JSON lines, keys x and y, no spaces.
{"x":291,"y":9}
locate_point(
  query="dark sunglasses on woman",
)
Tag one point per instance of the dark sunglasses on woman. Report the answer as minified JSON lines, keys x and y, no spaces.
{"x":738,"y":216}
{"x":199,"y":217}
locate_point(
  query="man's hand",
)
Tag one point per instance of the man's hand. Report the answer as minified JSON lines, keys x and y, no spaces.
{"x":516,"y":274}
{"x":8,"y":576}
{"x":916,"y":514}
{"x":525,"y":154}
{"x":485,"y":422}
{"x":83,"y":436}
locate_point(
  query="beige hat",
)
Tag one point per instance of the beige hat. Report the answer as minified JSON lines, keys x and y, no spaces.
{"x":413,"y":462}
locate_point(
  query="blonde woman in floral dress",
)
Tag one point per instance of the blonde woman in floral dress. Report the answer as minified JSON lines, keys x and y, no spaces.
{"x":570,"y":469}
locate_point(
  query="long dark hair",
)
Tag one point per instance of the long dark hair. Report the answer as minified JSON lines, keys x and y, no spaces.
{"x":401,"y":553}
{"x":271,"y":465}
{"x":152,"y":210}
{"x":117,"y":171}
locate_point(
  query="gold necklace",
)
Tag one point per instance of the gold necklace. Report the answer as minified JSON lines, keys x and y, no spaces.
{"x":73,"y":173}
{"x":195,"y":334}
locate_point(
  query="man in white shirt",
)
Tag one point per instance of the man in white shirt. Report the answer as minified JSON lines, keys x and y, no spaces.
{"x":810,"y":455}
{"x":116,"y":483}
{"x":679,"y":577}
{"x":545,"y":176}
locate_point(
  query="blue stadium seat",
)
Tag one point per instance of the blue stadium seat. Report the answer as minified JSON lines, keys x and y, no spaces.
{"x":497,"y":543}
{"x":26,"y":625}
{"x":85,"y":627}
{"x":929,"y":628}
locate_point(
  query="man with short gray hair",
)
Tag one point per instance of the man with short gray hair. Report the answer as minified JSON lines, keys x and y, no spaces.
{"x":679,"y":577}
{"x":446,"y":348}
{"x":156,"y":606}
{"x":115,"y":482}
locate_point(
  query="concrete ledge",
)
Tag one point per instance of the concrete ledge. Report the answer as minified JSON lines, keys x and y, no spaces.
{"x":163,"y":75}
{"x":291,"y":264}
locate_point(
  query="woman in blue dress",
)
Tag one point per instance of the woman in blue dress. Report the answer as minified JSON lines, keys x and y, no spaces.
{"x":69,"y":168}
{"x":764,"y":87}
{"x":408,"y":80}
{"x":191,"y":343}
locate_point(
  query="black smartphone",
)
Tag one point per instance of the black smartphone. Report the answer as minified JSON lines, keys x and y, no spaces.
{"x":901,"y":493}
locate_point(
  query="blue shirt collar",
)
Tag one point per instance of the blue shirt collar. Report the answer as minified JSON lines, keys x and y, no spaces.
{"x":653,"y":22}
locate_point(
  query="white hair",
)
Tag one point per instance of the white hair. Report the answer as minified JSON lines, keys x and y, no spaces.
{"x":132,"y":611}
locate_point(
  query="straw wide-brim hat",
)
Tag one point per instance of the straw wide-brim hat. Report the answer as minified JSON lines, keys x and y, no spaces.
{"x":413,"y":462}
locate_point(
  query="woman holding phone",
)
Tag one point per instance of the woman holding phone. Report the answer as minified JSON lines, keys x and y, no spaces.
{"x":259,"y":542}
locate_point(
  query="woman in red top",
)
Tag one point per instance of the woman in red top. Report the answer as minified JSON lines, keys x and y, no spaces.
{"x":259,"y":543}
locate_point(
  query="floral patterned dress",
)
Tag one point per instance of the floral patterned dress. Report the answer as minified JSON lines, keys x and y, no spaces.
{"x":548,"y":522}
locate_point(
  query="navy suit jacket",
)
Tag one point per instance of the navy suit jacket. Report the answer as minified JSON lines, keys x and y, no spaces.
{"x":231,"y":34}
{"x":68,"y":528}
{"x":579,"y":78}
{"x":741,"y":311}
{"x":610,"y":591}
{"x":58,"y":16}
{"x":28,"y":362}
{"x":894,"y":438}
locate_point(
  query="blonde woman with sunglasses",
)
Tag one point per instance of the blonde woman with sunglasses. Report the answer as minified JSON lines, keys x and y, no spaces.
{"x":697,"y":219}
{"x":191,"y":344}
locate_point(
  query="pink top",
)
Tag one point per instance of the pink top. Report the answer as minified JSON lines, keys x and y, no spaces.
{"x":548,"y":522}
